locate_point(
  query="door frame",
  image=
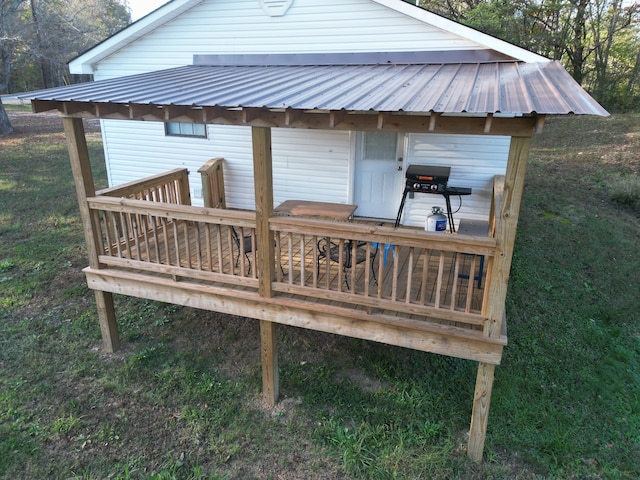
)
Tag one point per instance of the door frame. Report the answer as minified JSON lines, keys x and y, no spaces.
{"x":357,"y":138}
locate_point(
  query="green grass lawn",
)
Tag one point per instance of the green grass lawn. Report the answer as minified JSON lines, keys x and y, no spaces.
{"x":181,"y":400}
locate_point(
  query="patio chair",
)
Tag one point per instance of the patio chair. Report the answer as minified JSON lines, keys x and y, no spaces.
{"x":243,"y":247}
{"x":331,"y":251}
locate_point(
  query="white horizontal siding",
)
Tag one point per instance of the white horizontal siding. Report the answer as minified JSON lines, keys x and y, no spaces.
{"x":311,"y":165}
{"x":307,"y":165}
{"x":309,"y":26}
{"x":474,"y":161}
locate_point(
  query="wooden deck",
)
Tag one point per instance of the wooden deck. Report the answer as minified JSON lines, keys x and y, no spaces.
{"x":144,"y":239}
{"x":402,"y":278}
{"x":422,"y":298}
{"x":399,"y":278}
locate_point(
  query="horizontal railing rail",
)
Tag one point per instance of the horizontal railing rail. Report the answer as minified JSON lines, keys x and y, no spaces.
{"x":167,"y":187}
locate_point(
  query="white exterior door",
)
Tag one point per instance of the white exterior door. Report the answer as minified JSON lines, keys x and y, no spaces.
{"x":379,"y":174}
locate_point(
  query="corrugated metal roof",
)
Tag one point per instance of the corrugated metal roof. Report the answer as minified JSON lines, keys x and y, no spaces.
{"x":478,"y":88}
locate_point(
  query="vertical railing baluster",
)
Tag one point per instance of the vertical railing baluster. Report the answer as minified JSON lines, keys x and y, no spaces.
{"x":425,"y":277}
{"x":254,"y":254}
{"x":207,"y":234}
{"x":439,"y":280}
{"x":176,"y":241}
{"x":367,"y":268}
{"x":220,"y":248}
{"x":454,"y":287}
{"x":289,"y":257}
{"x":396,"y":268}
{"x":381,"y":272}
{"x":471,"y":284}
{"x":124,"y":223}
{"x":156,"y":239}
{"x":198,"y":234}
{"x":354,"y":263}
{"x":303,"y":256}
{"x":187,"y":244}
{"x":316,"y":259}
{"x":112,"y":233}
{"x":407,"y":297}
{"x":340,"y":263}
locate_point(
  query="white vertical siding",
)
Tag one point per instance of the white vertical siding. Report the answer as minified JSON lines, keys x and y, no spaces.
{"x":474,"y":161}
{"x":309,"y":26}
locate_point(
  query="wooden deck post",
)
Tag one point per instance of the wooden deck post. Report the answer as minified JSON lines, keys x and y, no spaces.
{"x":506,"y":222}
{"x":269,"y":348}
{"x":263,"y":181}
{"x":83,"y":178}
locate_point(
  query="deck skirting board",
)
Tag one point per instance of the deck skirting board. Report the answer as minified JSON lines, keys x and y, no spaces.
{"x":417,"y":335}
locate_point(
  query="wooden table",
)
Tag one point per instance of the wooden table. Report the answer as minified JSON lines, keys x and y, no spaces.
{"x":341,"y":212}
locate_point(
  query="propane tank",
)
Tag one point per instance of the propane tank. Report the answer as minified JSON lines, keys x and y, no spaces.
{"x":437,"y":221}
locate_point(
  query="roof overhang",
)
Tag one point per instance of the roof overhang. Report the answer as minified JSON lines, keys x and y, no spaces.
{"x":368,"y":95}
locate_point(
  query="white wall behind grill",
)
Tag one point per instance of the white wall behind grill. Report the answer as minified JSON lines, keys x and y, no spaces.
{"x":474,"y":161}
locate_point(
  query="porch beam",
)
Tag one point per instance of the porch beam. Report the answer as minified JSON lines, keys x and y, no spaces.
{"x":387,"y":329}
{"x":290,"y":118}
{"x":85,"y":188}
{"x":263,"y":189}
{"x":506,"y":222}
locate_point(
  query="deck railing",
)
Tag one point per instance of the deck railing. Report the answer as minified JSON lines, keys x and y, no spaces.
{"x":418,"y":274}
{"x":384,"y":269}
{"x":178,"y":240}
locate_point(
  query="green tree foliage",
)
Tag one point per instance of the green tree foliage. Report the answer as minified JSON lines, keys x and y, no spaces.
{"x":41,"y":36}
{"x":598,"y":41}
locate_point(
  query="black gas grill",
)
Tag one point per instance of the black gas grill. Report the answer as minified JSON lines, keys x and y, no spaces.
{"x":430,"y":179}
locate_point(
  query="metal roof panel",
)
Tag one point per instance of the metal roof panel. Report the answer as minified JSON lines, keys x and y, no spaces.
{"x":514,"y":88}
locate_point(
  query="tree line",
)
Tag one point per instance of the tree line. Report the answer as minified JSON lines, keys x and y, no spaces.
{"x":39,"y":37}
{"x":598,"y":41}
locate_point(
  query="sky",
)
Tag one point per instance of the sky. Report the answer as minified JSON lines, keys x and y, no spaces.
{"x":139,"y":8}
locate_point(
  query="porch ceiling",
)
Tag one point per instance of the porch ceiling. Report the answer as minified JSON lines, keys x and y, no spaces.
{"x":501,"y":88}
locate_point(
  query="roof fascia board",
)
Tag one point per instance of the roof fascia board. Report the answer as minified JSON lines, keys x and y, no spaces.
{"x":86,"y":62}
{"x":455,"y":28}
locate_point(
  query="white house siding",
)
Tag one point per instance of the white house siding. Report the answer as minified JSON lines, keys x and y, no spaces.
{"x":241,"y":26}
{"x":311,"y":165}
{"x":307,"y":165}
{"x":474,"y":161}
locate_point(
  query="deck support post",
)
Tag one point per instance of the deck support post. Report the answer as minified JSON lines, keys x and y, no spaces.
{"x":506,"y":222}
{"x":269,"y":348}
{"x":263,"y":182}
{"x":480,"y":413}
{"x":85,"y":188}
